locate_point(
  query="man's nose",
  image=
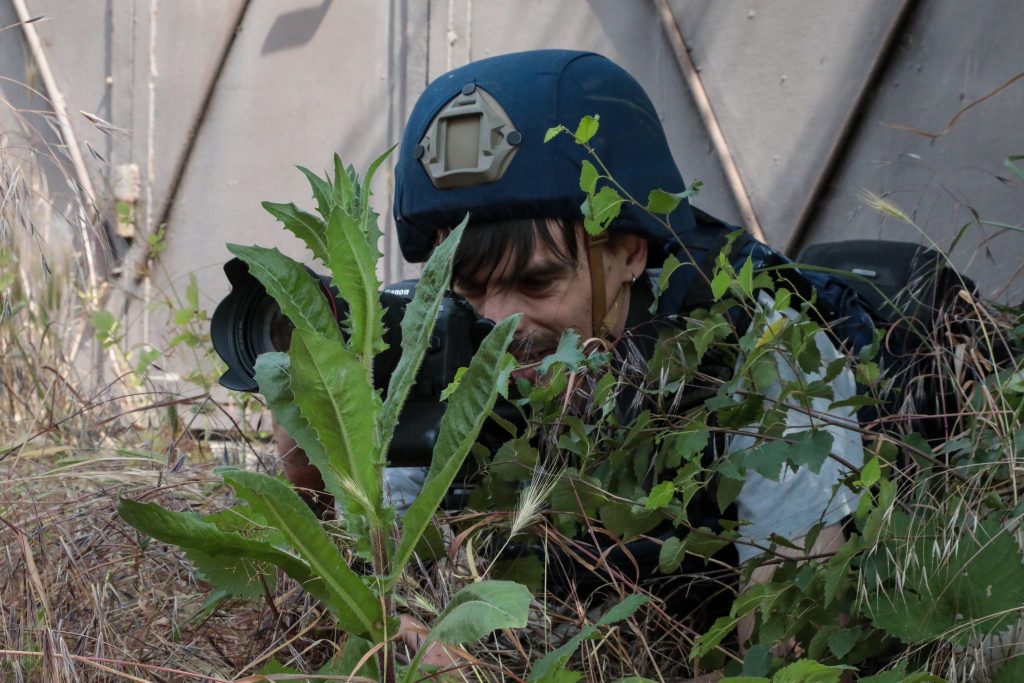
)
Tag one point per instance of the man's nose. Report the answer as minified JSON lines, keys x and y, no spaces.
{"x":499,"y":306}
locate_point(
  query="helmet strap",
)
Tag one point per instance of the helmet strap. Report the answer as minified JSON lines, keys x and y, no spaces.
{"x":598,"y":306}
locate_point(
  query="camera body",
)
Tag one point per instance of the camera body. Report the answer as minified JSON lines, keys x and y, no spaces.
{"x":248,"y":322}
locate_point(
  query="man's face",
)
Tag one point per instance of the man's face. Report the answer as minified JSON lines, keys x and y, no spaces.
{"x":553,"y":294}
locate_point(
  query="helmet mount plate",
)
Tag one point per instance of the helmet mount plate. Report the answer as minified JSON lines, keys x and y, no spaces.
{"x":470,"y":142}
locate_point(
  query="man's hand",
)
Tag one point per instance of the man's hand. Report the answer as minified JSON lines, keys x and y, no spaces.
{"x":412,"y":632}
{"x":301,"y":474}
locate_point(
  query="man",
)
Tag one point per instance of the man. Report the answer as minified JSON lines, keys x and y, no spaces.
{"x":475,"y":143}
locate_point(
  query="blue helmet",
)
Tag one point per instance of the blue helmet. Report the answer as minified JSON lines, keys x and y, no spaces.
{"x":505,"y":105}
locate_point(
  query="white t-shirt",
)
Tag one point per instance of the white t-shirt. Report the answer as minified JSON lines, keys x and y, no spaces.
{"x":799,"y":500}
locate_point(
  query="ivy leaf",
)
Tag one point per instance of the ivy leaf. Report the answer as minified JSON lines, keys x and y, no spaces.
{"x":870,"y":473}
{"x":685,"y":445}
{"x":553,"y":132}
{"x":588,"y":177}
{"x":569,"y":353}
{"x":811,"y":449}
{"x":757,"y":661}
{"x":745,"y":280}
{"x":601,"y":209}
{"x":843,"y":640}
{"x":671,"y":555}
{"x":661,"y":202}
{"x":809,"y":671}
{"x":767,"y":458}
{"x":661,"y":495}
{"x":720,"y":283}
{"x":587,"y":129}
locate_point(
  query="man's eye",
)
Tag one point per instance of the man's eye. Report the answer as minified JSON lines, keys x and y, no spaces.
{"x":535,"y":286}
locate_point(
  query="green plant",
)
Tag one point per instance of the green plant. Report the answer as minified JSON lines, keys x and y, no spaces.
{"x":932,"y":565}
{"x":322,"y":391}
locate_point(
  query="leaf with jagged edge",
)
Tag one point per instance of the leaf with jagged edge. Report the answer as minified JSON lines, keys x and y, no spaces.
{"x":368,"y":216}
{"x":467,"y":410}
{"x":296,"y":291}
{"x":417,"y":326}
{"x":350,"y":600}
{"x":322,"y":192}
{"x":352,"y":258}
{"x":344,"y":190}
{"x":307,"y":227}
{"x":336,"y":398}
{"x":188,"y":531}
{"x":274,"y":377}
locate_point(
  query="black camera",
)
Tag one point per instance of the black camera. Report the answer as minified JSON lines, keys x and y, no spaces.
{"x":249,"y":322}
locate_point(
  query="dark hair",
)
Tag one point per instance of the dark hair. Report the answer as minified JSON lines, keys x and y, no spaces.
{"x":484,"y":245}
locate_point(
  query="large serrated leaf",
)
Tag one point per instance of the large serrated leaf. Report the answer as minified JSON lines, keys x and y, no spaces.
{"x":352,"y":603}
{"x":296,"y":292}
{"x":352,"y":259}
{"x":191,"y":533}
{"x":273,"y":375}
{"x":322,"y":192}
{"x":417,"y":326}
{"x":368,"y":217}
{"x":307,"y":227}
{"x":344,"y":189}
{"x":338,"y":402}
{"x":467,"y":409}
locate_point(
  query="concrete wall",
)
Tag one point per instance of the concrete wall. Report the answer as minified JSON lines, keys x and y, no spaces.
{"x":216,"y":102}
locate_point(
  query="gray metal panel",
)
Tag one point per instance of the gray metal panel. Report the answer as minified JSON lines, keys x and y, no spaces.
{"x":951,"y":55}
{"x":303,"y":80}
{"x":148,"y":86}
{"x":782,"y":78}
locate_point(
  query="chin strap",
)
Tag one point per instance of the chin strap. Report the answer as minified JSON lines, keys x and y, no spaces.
{"x":598,"y":305}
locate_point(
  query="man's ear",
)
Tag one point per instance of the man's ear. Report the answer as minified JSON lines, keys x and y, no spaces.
{"x":635,"y":249}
